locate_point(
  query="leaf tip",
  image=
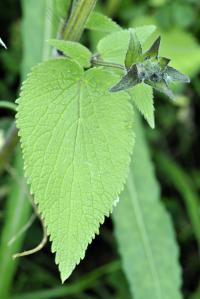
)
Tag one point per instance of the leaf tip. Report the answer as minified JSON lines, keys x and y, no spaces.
{"x":64,"y":276}
{"x":152,"y":124}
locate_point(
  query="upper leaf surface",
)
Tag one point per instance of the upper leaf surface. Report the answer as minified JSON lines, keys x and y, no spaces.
{"x":74,"y":50}
{"x":76,"y":138}
{"x":114,"y":46}
{"x":100,"y":22}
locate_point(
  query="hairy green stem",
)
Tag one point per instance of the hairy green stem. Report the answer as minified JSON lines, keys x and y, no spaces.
{"x":74,"y":3}
{"x":77,"y":19}
{"x":95,"y":61}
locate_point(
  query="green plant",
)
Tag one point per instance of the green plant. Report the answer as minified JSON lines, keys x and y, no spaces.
{"x":77,"y":139}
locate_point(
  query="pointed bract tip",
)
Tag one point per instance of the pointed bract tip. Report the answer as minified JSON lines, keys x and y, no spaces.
{"x":115,"y":88}
{"x":187,"y":79}
{"x":154,"y":49}
{"x":175,"y":75}
{"x":159,"y":38}
{"x":156,"y":44}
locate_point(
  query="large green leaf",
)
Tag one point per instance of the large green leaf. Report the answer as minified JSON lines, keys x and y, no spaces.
{"x":76,"y":139}
{"x":150,"y":260}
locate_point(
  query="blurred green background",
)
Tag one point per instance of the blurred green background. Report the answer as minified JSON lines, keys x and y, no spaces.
{"x":174,"y":145}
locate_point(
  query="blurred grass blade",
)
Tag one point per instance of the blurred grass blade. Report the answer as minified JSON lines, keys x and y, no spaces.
{"x":183,"y":183}
{"x":36,"y":29}
{"x":84,"y":283}
{"x":38,"y":26}
{"x":16,"y":215}
{"x":144,"y":232}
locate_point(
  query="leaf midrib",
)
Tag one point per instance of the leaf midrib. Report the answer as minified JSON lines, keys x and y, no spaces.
{"x":144,"y":235}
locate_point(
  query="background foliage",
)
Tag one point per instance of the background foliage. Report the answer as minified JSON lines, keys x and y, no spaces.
{"x":174,"y":146}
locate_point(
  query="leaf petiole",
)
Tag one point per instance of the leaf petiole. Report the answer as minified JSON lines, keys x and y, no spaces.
{"x":95,"y":61}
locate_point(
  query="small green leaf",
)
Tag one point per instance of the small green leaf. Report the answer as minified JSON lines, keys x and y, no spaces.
{"x":150,"y":260}
{"x":154,"y":49}
{"x":134,"y":51}
{"x":74,"y":50}
{"x":175,"y":75}
{"x":162,"y":86}
{"x":163,"y":62}
{"x":114,"y":46}
{"x":127,"y":81}
{"x":100,"y":22}
{"x":142,"y":97}
{"x":77,"y":139}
